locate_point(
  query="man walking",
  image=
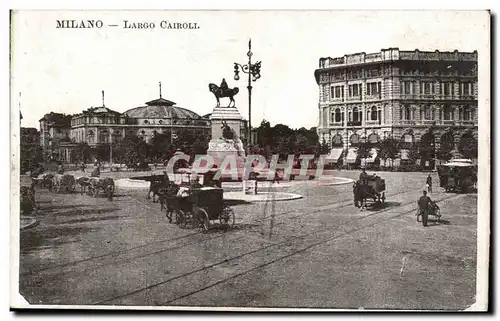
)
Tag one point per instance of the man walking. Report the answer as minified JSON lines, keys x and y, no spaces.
{"x":424,"y":203}
{"x":429,"y":183}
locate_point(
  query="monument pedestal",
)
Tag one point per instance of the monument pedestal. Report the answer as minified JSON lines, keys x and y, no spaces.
{"x":221,"y":147}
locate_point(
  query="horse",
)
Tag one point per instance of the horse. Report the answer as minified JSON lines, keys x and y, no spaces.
{"x":164,"y":193}
{"x":154,"y":188}
{"x":220,"y":93}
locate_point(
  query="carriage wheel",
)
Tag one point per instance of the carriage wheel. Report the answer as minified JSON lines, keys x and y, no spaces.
{"x":438,"y":214}
{"x":202,"y":220}
{"x":227,"y":217}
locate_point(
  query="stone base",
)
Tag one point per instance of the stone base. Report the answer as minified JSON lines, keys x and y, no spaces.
{"x":220,"y":149}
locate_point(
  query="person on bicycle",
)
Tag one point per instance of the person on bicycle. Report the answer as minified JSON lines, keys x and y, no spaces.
{"x":424,"y":204}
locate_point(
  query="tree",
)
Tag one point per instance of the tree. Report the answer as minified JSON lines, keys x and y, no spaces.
{"x":365,"y":151}
{"x":426,"y":147}
{"x":388,"y":149}
{"x":413,"y":154}
{"x":467,"y":146}
{"x":324,"y":148}
{"x":446,"y":147}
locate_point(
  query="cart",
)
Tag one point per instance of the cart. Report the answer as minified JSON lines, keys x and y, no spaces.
{"x":371,"y":188}
{"x":457,"y":176}
{"x":199,"y":206}
{"x":63,"y":182}
{"x":27,"y":199}
{"x":433,"y":210}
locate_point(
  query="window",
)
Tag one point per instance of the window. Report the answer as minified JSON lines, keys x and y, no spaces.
{"x":373,"y":138}
{"x":338,"y":116}
{"x":357,"y":114}
{"x":406,"y":113}
{"x":355,"y":139}
{"x":408,"y":88}
{"x":448,"y":112}
{"x":467,"y":113}
{"x":373,"y":88}
{"x":146,"y":122}
{"x":447,"y":89}
{"x":337,"y":140}
{"x":426,"y":87}
{"x":374,"y":113}
{"x":355,"y":90}
{"x":373,"y":72}
{"x":426,"y":113}
{"x":355,"y":74}
{"x":160,"y":122}
{"x":466,"y":89}
{"x":337,"y":92}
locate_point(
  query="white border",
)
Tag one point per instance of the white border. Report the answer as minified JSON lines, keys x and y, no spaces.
{"x":484,"y":119}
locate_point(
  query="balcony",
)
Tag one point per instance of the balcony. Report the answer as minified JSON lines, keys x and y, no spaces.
{"x":351,"y":98}
{"x":467,"y":97}
{"x":354,"y":123}
{"x":373,"y":97}
{"x":428,"y":122}
{"x":373,"y":123}
{"x":405,"y":122}
{"x":336,"y":124}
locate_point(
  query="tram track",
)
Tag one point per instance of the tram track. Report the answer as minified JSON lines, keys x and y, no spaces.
{"x":67,"y":268}
{"x":286,"y":245}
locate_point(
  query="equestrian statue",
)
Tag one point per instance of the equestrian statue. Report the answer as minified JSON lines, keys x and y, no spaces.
{"x":223,"y":91}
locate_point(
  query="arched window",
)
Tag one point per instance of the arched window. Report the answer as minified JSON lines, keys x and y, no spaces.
{"x":373,"y":139}
{"x":337,"y":140}
{"x":357,"y":114}
{"x":374,"y":113}
{"x":337,"y":115}
{"x":355,"y":139}
{"x":407,"y":113}
{"x":91,"y":133}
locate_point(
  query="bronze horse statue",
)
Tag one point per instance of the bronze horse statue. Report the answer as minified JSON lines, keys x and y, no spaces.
{"x":220,"y":93}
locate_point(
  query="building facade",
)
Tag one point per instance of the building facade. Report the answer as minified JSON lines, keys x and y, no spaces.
{"x":405,"y":95}
{"x":55,"y":130}
{"x":62,"y":136}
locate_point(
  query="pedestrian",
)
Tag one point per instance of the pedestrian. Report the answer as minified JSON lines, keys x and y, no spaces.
{"x":429,"y":183}
{"x":424,"y":203}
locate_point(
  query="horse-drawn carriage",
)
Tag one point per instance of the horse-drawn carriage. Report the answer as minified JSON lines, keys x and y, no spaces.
{"x":27,"y":197}
{"x":63,"y":182}
{"x":371,"y":187}
{"x":196,"y":205}
{"x":458,"y":175}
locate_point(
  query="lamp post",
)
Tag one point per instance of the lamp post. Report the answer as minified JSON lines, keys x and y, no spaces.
{"x":253,"y":71}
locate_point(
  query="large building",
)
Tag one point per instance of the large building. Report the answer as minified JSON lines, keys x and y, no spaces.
{"x":54,"y":131}
{"x":63,"y":135}
{"x":400,"y":94}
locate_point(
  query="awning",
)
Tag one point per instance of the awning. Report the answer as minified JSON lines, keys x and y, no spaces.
{"x":373,"y":156}
{"x":404,"y":154}
{"x":352,"y":155}
{"x":334,"y":155}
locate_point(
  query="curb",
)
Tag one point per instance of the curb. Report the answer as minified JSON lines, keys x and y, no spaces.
{"x":266,"y":198}
{"x":32,"y":223}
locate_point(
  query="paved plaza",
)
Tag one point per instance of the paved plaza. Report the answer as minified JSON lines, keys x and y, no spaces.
{"x":314,"y":251}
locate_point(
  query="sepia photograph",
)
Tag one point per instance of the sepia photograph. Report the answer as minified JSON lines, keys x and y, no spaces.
{"x":244,"y":160}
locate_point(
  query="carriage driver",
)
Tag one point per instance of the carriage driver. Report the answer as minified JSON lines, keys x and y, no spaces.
{"x":424,"y":203}
{"x":363,"y":176}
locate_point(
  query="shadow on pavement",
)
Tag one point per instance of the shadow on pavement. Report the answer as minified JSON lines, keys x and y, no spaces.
{"x":92,"y":219}
{"x":386,"y":205}
{"x":35,"y":239}
{"x":60,"y":207}
{"x":87,"y":211}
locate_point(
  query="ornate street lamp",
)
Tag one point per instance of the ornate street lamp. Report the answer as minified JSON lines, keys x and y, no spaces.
{"x":253,"y":71}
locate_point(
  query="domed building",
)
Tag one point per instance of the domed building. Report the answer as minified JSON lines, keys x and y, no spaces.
{"x":162,"y":116}
{"x":101,"y":125}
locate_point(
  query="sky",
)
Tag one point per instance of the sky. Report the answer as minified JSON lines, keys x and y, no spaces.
{"x":65,"y":70}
